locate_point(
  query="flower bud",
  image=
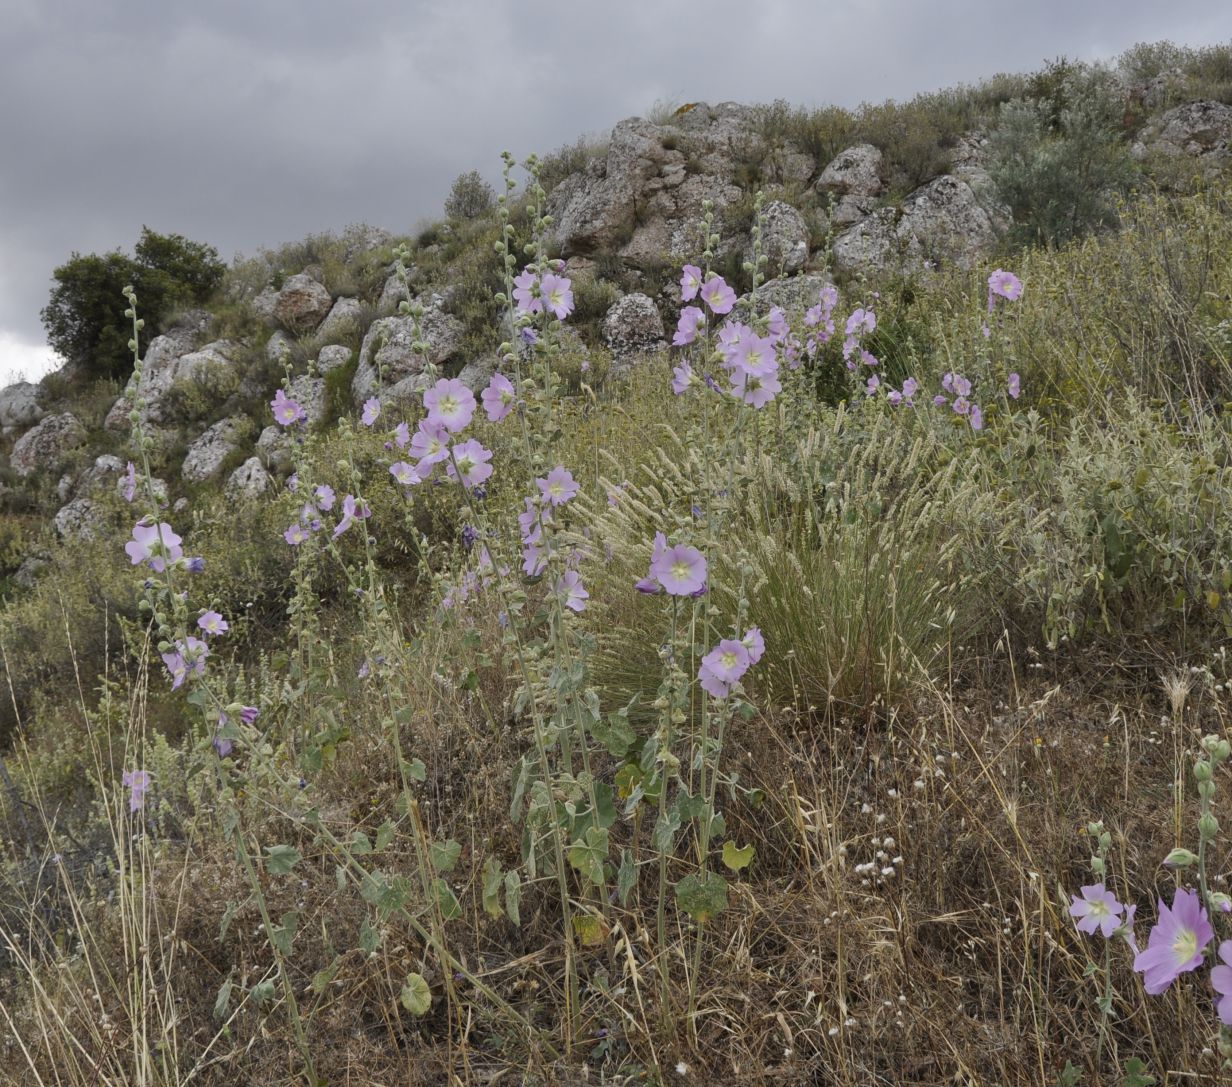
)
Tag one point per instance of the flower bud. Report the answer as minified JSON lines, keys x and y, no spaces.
{"x":1180,"y":858}
{"x":1206,"y":789}
{"x":1202,"y":771}
{"x":1208,"y":826}
{"x":1097,"y":866}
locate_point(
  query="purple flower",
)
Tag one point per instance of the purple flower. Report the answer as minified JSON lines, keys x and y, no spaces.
{"x":286,"y":410}
{"x":469,"y":463}
{"x":754,"y":390}
{"x":325,"y":497}
{"x":352,"y":509}
{"x":754,"y":643}
{"x":961,"y":405}
{"x":1175,"y":944}
{"x":405,"y":474}
{"x":213,"y":623}
{"x":1002,"y":284}
{"x":682,"y":378}
{"x":498,"y":397}
{"x":296,"y":534}
{"x":138,"y":783}
{"x":558,"y":486}
{"x":1096,"y":909}
{"x":1221,"y":979}
{"x":528,"y":336}
{"x":534,"y":561}
{"x":526,"y":292}
{"x":248,"y":714}
{"x":723,"y":666}
{"x":569,"y":585}
{"x":428,"y":446}
{"x":450,"y":404}
{"x":860,"y":321}
{"x":690,"y":282}
{"x":753,"y":355}
{"x":557,"y":295}
{"x":718,"y":295}
{"x":130,"y":482}
{"x":155,"y":545}
{"x":692,"y":321}
{"x":402,"y":435}
{"x":681,"y":570}
{"x":872,"y":385}
{"x":531,"y":522}
{"x":221,"y":744}
{"x":910,"y":388}
{"x":1014,"y":387}
{"x":188,"y":656}
{"x":977,"y":417}
{"x":372,"y":411}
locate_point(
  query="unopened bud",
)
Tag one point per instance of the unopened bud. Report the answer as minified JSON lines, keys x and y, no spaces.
{"x":1208,"y":826}
{"x":1202,"y":771}
{"x":1180,"y":858}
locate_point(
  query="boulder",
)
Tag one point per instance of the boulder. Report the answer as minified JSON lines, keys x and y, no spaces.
{"x":784,"y":238}
{"x":98,"y":476}
{"x":302,"y":303}
{"x":178,"y":383}
{"x":206,"y":455}
{"x":278,"y":347}
{"x":19,"y":407}
{"x":264,"y":305}
{"x":943,"y":222}
{"x":387,"y":360}
{"x":1201,"y":130}
{"x":249,"y":480}
{"x":82,"y":519}
{"x":476,"y":374}
{"x":792,"y":294}
{"x":44,"y":447}
{"x":632,"y":326}
{"x":310,"y":393}
{"x":342,"y":321}
{"x":853,"y":177}
{"x":276,"y":448}
{"x":332,"y":357}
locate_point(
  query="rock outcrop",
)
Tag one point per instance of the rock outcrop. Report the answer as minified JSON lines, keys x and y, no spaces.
{"x":44,"y":447}
{"x":302,"y":304}
{"x":207,"y":454}
{"x":19,"y":407}
{"x":633,"y":326}
{"x":387,"y":359}
{"x":853,"y":177}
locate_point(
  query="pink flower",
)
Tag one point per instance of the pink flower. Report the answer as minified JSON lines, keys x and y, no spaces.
{"x":286,"y":410}
{"x":498,"y":397}
{"x":723,"y":666}
{"x":138,"y":784}
{"x":526,"y":292}
{"x":155,"y":545}
{"x":557,"y":293}
{"x":754,"y":643}
{"x":569,"y":585}
{"x":861,"y":321}
{"x":469,"y":462}
{"x":681,"y":570}
{"x":353,"y":509}
{"x":296,"y":534}
{"x":372,"y":411}
{"x":756,"y":391}
{"x":213,"y":623}
{"x":325,"y":497}
{"x":429,"y":446}
{"x":1175,"y":944}
{"x":558,"y":486}
{"x":402,"y":435}
{"x":1014,"y":387}
{"x":1002,"y":284}
{"x":405,"y":474}
{"x":690,"y":282}
{"x":130,"y":482}
{"x":1096,"y":909}
{"x":682,"y":378}
{"x":692,"y":321}
{"x":977,"y":417}
{"x":1221,"y":979}
{"x":753,"y":355}
{"x":450,"y":403}
{"x":718,"y":295}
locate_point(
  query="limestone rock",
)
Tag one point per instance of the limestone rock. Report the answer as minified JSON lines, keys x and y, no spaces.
{"x":19,"y":407}
{"x":332,"y":357}
{"x":302,"y":303}
{"x":784,"y":238}
{"x":249,"y":480}
{"x":206,"y":455}
{"x":82,"y":519}
{"x":853,"y":176}
{"x":45,"y":445}
{"x":387,"y":348}
{"x":633,"y":326}
{"x":1202,"y":130}
{"x":342,"y":321}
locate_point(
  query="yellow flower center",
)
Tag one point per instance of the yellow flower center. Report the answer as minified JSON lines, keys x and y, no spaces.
{"x":1185,"y":947}
{"x":449,"y":405}
{"x":680,"y":570}
{"x":728,"y":660}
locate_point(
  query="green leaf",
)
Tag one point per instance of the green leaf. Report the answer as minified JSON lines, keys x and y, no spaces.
{"x":513,"y":896}
{"x":361,"y":844}
{"x":384,"y":836}
{"x":1070,"y":1076}
{"x":262,"y":993}
{"x":280,"y":859}
{"x":736,"y":859}
{"x":415,"y":770}
{"x":616,"y":734}
{"x":1136,"y":1074}
{"x":444,"y":855}
{"x":665,"y":831}
{"x":228,"y":915}
{"x":283,"y":933}
{"x":702,"y":895}
{"x":369,"y":938}
{"x":589,"y":854}
{"x":322,"y":978}
{"x":590,"y":930}
{"x":447,"y":901}
{"x":416,"y":996}
{"x":223,"y":1003}
{"x":492,"y":887}
{"x":626,"y":877}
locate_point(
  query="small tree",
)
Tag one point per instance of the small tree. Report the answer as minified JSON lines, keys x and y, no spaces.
{"x":469,"y":197}
{"x":84,"y":317}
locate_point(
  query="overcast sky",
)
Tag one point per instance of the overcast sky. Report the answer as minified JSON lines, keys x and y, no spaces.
{"x":247,"y":123}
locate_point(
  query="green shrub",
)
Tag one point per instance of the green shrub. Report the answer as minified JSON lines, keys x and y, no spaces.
{"x":470,"y":197}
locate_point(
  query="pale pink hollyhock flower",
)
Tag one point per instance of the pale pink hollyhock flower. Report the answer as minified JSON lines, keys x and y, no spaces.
{"x":682,"y":378}
{"x":429,"y":445}
{"x":690,"y":282}
{"x":469,"y":463}
{"x":1175,"y":944}
{"x":1003,"y":284}
{"x":681,"y":570}
{"x":286,"y":410}
{"x":296,"y":535}
{"x":402,"y":435}
{"x":213,"y":623}
{"x":404,"y":474}
{"x":498,"y":397}
{"x":692,"y":320}
{"x":154,"y":544}
{"x":558,"y":486}
{"x":569,"y":585}
{"x":1096,"y":909}
{"x":450,"y":403}
{"x":754,"y":643}
{"x":325,"y":497}
{"x":372,"y":411}
{"x":1221,"y":979}
{"x":754,"y":355}
{"x":557,"y":293}
{"x":723,"y":666}
{"x":138,"y":783}
{"x":1014,"y":387}
{"x":525,"y":292}
{"x":718,"y":295}
{"x":755,"y":390}
{"x":977,"y":417}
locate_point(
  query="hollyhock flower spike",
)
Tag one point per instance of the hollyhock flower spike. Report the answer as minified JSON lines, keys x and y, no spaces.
{"x":681,"y":570}
{"x":1096,"y":909}
{"x":557,"y":293}
{"x":718,"y":295}
{"x":213,"y":623}
{"x":450,"y":404}
{"x":286,"y":410}
{"x":558,"y":486}
{"x":1221,"y":979}
{"x":470,"y":463}
{"x":692,"y":321}
{"x":1176,"y":943}
{"x":372,"y":411}
{"x":690,"y":283}
{"x":498,"y":398}
{"x":569,"y":585}
{"x":138,"y":783}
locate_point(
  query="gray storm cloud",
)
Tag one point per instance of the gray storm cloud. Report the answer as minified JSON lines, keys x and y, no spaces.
{"x":250,"y":124}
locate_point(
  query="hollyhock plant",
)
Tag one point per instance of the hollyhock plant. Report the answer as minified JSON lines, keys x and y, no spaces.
{"x":154,"y":544}
{"x":860,"y":322}
{"x":692,"y":321}
{"x":718,"y":295}
{"x":681,"y":569}
{"x":404,"y":474}
{"x":296,"y":534}
{"x":690,"y":283}
{"x":286,"y":410}
{"x":526,"y":292}
{"x":723,"y":666}
{"x":531,"y":521}
{"x":372,"y":411}
{"x":1096,"y":909}
{"x":569,"y":586}
{"x":753,"y":355}
{"x":470,"y":463}
{"x":325,"y":497}
{"x":558,"y":486}
{"x":1176,"y":943}
{"x":557,"y":293}
{"x":756,"y":391}
{"x":1003,"y":284}
{"x":429,"y":445}
{"x":353,"y":509}
{"x":213,"y":623}
{"x":498,"y":398}
{"x":450,"y":404}
{"x":138,"y":783}
{"x":1221,"y":979}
